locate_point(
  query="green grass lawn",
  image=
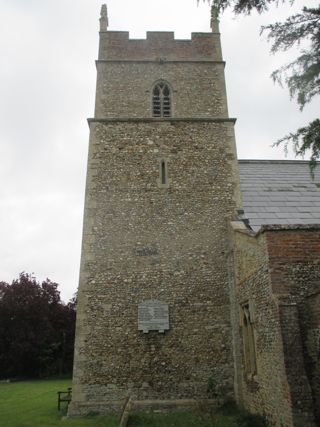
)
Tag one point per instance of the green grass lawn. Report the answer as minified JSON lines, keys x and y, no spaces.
{"x":180,"y":419}
{"x":34,"y":404}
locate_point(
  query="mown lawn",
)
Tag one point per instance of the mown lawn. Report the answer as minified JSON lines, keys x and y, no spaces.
{"x":180,"y":419}
{"x":34,"y":404}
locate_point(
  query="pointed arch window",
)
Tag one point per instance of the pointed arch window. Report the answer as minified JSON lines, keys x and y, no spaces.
{"x":161,"y":100}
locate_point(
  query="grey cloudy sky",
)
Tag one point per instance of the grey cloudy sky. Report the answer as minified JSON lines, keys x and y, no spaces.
{"x":47,"y":84}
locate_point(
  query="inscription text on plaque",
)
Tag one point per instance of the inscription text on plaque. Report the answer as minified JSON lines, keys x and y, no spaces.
{"x":153,"y":315}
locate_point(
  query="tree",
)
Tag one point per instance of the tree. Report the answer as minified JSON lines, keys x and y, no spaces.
{"x":301,"y":76}
{"x":36,"y":329}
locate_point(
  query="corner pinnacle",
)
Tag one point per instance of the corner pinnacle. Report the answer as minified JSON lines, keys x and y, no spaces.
{"x":104,"y":18}
{"x":214,"y":22}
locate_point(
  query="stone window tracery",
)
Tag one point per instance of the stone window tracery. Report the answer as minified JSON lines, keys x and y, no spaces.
{"x":161,"y":100}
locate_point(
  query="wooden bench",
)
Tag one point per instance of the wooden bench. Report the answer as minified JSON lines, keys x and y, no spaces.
{"x":64,"y":396}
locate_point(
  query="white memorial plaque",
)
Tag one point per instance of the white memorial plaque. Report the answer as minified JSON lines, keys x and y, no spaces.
{"x":153,"y":315}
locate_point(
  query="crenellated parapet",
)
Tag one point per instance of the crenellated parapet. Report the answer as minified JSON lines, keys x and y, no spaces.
{"x":159,"y":45}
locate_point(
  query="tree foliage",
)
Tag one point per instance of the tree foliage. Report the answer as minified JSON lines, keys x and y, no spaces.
{"x":36,"y":329}
{"x":301,"y":76}
{"x":305,"y":139}
{"x":242,"y":6}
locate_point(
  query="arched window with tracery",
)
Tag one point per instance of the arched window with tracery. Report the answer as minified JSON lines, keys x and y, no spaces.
{"x":161,"y":100}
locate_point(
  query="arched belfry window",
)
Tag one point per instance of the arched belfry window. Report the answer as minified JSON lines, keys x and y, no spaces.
{"x":161,"y":100}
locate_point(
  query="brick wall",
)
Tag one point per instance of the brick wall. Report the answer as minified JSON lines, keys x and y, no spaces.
{"x":294,"y":261}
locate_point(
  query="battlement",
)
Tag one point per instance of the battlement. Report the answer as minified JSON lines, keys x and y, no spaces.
{"x":159,"y":45}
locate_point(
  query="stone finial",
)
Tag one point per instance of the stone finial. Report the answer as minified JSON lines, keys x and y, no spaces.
{"x":214,"y":23}
{"x":104,"y":18}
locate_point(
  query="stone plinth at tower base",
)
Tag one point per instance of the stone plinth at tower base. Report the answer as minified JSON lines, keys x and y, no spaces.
{"x":83,"y":409}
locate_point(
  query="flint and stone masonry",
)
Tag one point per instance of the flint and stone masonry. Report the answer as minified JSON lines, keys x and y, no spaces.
{"x":160,"y":194}
{"x":278,"y":271}
{"x":179,"y":299}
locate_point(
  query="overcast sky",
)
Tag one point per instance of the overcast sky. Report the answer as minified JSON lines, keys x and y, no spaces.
{"x":47,"y":85}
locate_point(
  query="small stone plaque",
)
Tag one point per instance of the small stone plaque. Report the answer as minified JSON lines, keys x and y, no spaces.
{"x":153,"y":315}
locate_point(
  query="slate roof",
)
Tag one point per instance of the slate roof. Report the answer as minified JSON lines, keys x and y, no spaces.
{"x":279,"y":192}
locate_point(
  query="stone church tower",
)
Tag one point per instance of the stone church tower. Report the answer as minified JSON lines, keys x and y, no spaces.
{"x":153,"y":315}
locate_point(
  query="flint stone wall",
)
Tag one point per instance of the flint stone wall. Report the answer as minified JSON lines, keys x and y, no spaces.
{"x":278,"y":269}
{"x":267,"y":392}
{"x":143,"y":242}
{"x":125,"y":89}
{"x":146,"y":241}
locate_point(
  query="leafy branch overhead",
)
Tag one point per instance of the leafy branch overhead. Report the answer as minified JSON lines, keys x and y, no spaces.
{"x":305,"y":139}
{"x":301,"y":76}
{"x":242,"y":6}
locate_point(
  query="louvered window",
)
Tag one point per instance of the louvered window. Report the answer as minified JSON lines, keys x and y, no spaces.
{"x":161,"y":100}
